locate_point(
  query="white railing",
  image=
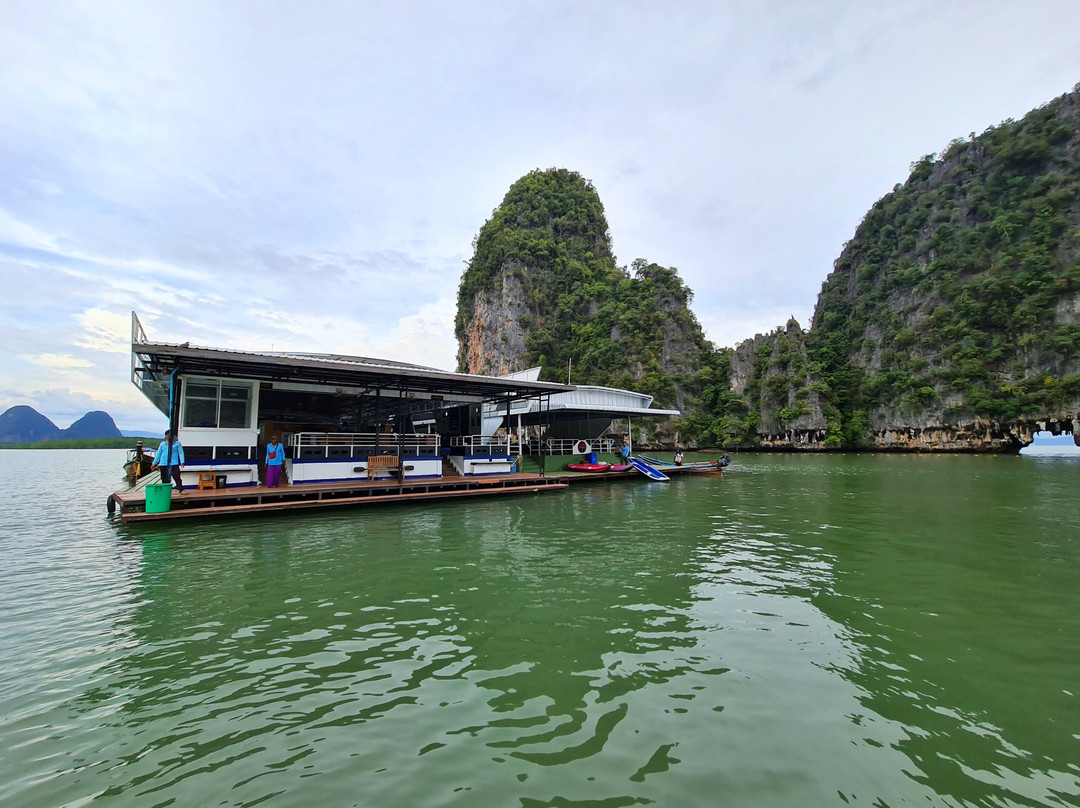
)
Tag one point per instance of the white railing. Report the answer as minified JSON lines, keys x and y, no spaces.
{"x":507,"y":444}
{"x":307,"y":445}
{"x":485,"y":444}
{"x":156,"y":390}
{"x":572,"y":446}
{"x":315,"y":445}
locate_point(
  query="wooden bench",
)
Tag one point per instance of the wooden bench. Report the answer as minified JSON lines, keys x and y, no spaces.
{"x":377,"y":462}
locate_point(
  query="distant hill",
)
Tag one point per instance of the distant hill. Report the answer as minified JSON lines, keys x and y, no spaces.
{"x":95,"y":424}
{"x":24,"y":424}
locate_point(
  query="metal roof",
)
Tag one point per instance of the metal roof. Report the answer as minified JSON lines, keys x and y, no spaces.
{"x":587,"y":400}
{"x":613,"y":410}
{"x":161,"y":359}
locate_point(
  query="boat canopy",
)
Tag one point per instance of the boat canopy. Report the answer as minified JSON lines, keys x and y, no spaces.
{"x":587,"y":410}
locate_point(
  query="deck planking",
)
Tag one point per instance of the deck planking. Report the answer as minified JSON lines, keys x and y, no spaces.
{"x":258,"y":498}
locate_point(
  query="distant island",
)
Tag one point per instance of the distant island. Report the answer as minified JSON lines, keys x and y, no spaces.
{"x":24,"y":427}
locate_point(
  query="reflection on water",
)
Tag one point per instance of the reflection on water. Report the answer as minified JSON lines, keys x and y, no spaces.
{"x":872,"y":630}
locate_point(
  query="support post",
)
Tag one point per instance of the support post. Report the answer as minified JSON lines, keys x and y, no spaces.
{"x":402,"y":415}
{"x":507,"y":424}
{"x":545,"y":401}
{"x":378,"y":415}
{"x":174,"y":417}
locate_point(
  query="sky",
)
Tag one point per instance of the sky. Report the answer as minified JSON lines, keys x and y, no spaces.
{"x":310,"y":176}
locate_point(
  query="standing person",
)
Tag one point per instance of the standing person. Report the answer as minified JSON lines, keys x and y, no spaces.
{"x":678,"y":457}
{"x":170,"y":463}
{"x":625,"y":452}
{"x":275,"y":455}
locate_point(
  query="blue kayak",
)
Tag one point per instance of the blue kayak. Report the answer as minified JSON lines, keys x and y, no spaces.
{"x":648,"y":470}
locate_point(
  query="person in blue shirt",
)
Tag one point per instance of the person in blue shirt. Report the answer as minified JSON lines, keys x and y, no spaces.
{"x":275,"y":455}
{"x":625,"y":452}
{"x":161,"y":461}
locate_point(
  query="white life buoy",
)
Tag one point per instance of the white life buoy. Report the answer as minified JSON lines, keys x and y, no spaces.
{"x":582,"y":447}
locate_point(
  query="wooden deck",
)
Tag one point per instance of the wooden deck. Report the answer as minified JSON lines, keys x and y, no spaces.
{"x":254,"y":499}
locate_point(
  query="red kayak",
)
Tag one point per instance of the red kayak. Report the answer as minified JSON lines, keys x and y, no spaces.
{"x":588,"y":466}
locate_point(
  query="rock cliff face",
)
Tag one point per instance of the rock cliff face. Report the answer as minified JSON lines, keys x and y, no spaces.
{"x":493,"y":341}
{"x":951,"y":321}
{"x":773,"y":374}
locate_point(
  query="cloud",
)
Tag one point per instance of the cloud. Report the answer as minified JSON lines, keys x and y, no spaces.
{"x":48,"y":188}
{"x":425,"y":338}
{"x":59,"y":361}
{"x":20,"y":234}
{"x":105,"y":330}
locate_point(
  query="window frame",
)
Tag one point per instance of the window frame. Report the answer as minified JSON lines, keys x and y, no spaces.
{"x":202,"y":396}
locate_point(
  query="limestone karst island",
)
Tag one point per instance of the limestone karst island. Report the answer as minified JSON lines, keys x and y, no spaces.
{"x":950,"y":321}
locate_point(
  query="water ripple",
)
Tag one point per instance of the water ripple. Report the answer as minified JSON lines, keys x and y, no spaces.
{"x":788,"y":634}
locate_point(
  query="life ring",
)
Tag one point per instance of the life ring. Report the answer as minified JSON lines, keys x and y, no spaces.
{"x":582,"y":447}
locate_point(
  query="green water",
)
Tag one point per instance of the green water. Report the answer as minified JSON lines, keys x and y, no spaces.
{"x":831,"y":630}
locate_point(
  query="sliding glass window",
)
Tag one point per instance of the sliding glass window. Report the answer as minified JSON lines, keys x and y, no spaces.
{"x":212,"y":403}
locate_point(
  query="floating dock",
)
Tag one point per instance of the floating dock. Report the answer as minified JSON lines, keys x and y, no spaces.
{"x":256,"y":499}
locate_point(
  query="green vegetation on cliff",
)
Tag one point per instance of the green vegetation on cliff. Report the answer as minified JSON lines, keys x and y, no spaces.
{"x":957,"y":293}
{"x":721,"y":417}
{"x":551,"y":222}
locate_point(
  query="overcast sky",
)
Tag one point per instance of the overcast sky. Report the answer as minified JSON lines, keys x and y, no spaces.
{"x":309,"y":176}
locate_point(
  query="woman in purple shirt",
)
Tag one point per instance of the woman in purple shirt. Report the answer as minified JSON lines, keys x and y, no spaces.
{"x":275,"y":456}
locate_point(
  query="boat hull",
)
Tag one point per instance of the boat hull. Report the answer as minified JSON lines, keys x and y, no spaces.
{"x":703,"y":466}
{"x":593,"y":467}
{"x":137,"y":467}
{"x":647,"y":470}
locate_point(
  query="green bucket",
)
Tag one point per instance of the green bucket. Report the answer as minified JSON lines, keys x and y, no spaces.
{"x":158,"y":498}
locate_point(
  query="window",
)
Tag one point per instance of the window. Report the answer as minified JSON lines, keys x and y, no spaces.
{"x":226,"y":405}
{"x":235,"y":405}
